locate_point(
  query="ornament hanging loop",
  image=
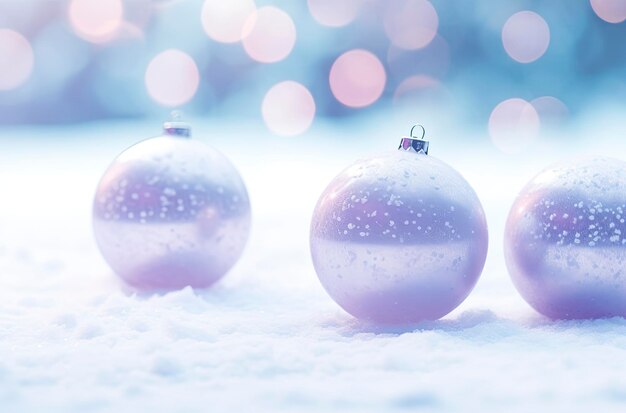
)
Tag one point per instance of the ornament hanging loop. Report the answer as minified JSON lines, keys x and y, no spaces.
{"x":420,"y":127}
{"x":176,"y":127}
{"x":414,"y":143}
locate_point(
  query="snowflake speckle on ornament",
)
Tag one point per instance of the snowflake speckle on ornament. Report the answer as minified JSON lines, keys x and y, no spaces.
{"x":564,"y":241}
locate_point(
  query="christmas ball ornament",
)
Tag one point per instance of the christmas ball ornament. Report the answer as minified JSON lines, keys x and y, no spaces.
{"x":399,"y":238}
{"x":565,"y":240}
{"x":171,"y":212}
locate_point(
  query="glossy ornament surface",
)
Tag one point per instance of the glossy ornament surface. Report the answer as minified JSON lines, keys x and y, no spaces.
{"x":171,"y":212}
{"x":565,"y":240}
{"x":399,"y":238}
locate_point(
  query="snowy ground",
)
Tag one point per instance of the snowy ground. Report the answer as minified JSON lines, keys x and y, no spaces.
{"x":268,"y":338}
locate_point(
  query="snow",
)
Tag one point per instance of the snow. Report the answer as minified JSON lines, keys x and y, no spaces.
{"x":267,"y":337}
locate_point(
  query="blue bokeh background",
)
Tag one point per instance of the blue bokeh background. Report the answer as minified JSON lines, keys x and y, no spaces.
{"x":75,"y":80}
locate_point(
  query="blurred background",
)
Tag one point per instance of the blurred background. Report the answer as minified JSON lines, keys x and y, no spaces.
{"x":292,"y":92}
{"x":505,"y":67}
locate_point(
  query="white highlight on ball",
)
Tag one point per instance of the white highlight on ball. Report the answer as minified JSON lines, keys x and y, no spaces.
{"x":16,"y":59}
{"x":357,"y":78}
{"x":411,"y":24}
{"x":269,"y":35}
{"x":525,"y":36}
{"x":172,"y":78}
{"x":96,"y":21}
{"x":223,"y":20}
{"x":288,"y":108}
{"x":513,"y":125}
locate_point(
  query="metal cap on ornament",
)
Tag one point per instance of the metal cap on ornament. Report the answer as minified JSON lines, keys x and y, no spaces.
{"x":176,"y":127}
{"x":414,"y":143}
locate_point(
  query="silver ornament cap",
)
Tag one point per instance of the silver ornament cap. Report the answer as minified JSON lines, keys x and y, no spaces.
{"x":414,"y":143}
{"x":176,"y":127}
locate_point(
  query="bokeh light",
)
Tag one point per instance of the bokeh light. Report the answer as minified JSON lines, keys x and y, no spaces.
{"x":172,"y":78}
{"x":432,"y":60}
{"x":62,"y":64}
{"x":96,"y":21}
{"x":163,"y":4}
{"x":411,"y":24}
{"x":513,"y":125}
{"x":417,"y":89}
{"x":288,"y":108}
{"x":16,"y":59}
{"x":269,"y":35}
{"x":357,"y":78}
{"x":525,"y":36}
{"x":223,"y":20}
{"x":334,"y":13}
{"x":551,"y":110}
{"x":612,"y":11}
{"x":234,"y":42}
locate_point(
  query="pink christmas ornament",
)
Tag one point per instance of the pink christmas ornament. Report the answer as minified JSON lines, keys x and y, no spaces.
{"x":399,"y":238}
{"x":565,"y":240}
{"x":171,"y":212}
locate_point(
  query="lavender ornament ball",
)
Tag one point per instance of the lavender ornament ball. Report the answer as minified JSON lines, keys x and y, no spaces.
{"x":565,"y":240}
{"x":171,"y":212}
{"x":399,"y":238}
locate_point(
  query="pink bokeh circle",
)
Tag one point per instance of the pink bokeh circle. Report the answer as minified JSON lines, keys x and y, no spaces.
{"x":288,"y":108}
{"x":525,"y":36}
{"x":269,"y":35}
{"x":357,"y":78}
{"x":172,"y":78}
{"x":612,"y":11}
{"x":513,"y":125}
{"x":16,"y":59}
